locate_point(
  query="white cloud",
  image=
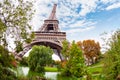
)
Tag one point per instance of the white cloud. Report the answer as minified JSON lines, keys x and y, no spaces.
{"x":88,"y":6}
{"x":66,"y":10}
{"x":113,"y":6}
{"x":82,"y":24}
{"x":108,"y":1}
{"x":76,"y":30}
{"x":70,"y":13}
{"x":71,"y":20}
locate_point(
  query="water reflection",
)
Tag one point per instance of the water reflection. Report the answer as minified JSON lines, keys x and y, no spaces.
{"x":25,"y":70}
{"x":48,"y":75}
{"x":51,"y":75}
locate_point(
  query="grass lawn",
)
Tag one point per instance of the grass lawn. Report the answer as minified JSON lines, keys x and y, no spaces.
{"x":95,"y":70}
{"x":51,"y":69}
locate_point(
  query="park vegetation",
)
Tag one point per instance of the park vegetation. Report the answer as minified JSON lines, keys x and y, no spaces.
{"x":75,"y":58}
{"x":111,"y":68}
{"x":6,"y":62}
{"x":91,"y":51}
{"x":81,"y":59}
{"x":75,"y":65}
{"x":39,"y":57}
{"x":14,"y":24}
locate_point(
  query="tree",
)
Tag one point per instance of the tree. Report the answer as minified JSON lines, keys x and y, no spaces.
{"x":39,"y":57}
{"x":15,"y":24}
{"x":65,"y":49}
{"x":15,"y":21}
{"x":5,"y":58}
{"x":6,"y":63}
{"x":7,"y":74}
{"x":75,"y":65}
{"x":24,"y":61}
{"x":79,"y":43}
{"x":111,"y":68}
{"x":91,"y":50}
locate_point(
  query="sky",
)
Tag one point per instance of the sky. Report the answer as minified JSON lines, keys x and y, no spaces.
{"x":80,"y":19}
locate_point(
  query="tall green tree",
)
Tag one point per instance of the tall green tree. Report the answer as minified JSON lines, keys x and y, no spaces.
{"x":111,"y":68}
{"x":65,"y":49}
{"x":15,"y":17}
{"x":39,"y":57}
{"x":75,"y":65}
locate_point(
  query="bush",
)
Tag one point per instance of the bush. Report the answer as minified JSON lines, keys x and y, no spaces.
{"x":6,"y":64}
{"x":24,"y":61}
{"x":39,"y":57}
{"x":6,"y":74}
{"x":40,"y":69}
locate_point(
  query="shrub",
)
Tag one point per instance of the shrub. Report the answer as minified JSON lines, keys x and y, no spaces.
{"x":24,"y":61}
{"x":39,"y":57}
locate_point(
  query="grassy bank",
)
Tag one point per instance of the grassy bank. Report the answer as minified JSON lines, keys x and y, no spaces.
{"x":95,"y":68}
{"x":51,"y":69}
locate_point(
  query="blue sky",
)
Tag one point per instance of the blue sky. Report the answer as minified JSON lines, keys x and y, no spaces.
{"x":80,"y":19}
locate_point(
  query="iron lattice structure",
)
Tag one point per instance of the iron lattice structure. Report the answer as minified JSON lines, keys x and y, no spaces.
{"x":49,"y":34}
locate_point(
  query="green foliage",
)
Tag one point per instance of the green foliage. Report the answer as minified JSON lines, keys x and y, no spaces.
{"x":15,"y":20}
{"x":32,"y":75}
{"x":58,"y":64}
{"x":5,"y":58}
{"x":24,"y":61}
{"x":95,"y":70}
{"x":5,"y":64}
{"x":111,"y":68}
{"x":6,"y":73}
{"x":76,"y":61}
{"x":39,"y":57}
{"x":88,"y":76}
{"x":18,"y":46}
{"x":75,"y":65}
{"x":2,"y":29}
{"x":60,"y":77}
{"x":65,"y":49}
{"x":15,"y":23}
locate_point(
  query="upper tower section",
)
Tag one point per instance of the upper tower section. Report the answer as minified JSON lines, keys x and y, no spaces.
{"x":53,"y":13}
{"x":51,"y":24}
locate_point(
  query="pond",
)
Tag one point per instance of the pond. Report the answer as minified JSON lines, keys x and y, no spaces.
{"x":49,"y":75}
{"x":24,"y":71}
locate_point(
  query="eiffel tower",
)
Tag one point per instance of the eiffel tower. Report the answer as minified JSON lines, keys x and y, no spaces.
{"x":51,"y":24}
{"x":49,"y":34}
